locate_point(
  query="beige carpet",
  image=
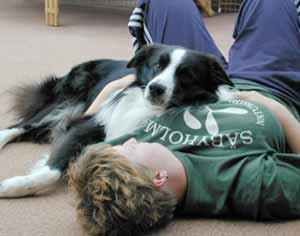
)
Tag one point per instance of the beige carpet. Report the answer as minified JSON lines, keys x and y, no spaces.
{"x":30,"y":50}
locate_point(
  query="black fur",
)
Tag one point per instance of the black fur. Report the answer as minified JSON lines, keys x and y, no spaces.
{"x":80,"y":86}
{"x":31,"y":99}
{"x":68,"y":145}
{"x":197,"y":79}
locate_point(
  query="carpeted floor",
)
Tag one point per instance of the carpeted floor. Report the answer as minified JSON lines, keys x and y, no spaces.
{"x":29,"y":51}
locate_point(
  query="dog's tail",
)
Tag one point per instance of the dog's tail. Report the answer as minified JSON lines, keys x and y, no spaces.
{"x":32,"y":98}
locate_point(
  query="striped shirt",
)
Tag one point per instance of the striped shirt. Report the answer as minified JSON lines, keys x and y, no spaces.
{"x":138,"y":28}
{"x":297,"y":2}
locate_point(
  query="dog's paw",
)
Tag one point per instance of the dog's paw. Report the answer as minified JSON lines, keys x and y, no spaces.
{"x":8,"y":135}
{"x":41,"y":163}
{"x":15,"y":187}
{"x":21,"y":186}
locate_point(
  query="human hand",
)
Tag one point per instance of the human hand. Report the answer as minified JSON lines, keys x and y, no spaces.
{"x":107,"y":91}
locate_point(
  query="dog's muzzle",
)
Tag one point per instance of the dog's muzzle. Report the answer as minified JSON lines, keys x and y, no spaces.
{"x":156,"y":90}
{"x":156,"y":94}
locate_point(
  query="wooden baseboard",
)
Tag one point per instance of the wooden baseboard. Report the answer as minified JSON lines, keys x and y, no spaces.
{"x":205,"y":6}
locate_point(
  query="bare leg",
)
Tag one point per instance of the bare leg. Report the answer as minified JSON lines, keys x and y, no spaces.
{"x":107,"y":91}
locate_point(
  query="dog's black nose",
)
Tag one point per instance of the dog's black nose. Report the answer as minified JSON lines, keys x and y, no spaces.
{"x":156,"y":90}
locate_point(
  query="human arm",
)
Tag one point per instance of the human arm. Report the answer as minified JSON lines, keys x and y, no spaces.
{"x":107,"y":91}
{"x":290,"y":124}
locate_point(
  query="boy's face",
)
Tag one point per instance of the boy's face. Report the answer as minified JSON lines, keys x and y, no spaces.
{"x":151,"y":155}
{"x":169,"y":171}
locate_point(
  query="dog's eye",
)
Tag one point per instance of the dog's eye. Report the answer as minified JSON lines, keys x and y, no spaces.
{"x":157,"y":67}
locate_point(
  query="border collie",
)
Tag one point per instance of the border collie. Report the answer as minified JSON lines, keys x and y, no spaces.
{"x":166,"y":77}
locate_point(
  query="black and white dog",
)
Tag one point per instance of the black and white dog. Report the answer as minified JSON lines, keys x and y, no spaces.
{"x":166,"y":77}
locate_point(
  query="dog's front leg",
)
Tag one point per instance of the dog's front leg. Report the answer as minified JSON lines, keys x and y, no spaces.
{"x":8,"y":135}
{"x":40,"y":178}
{"x":66,"y":148}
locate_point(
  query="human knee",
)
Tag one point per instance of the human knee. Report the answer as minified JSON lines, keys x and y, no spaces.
{"x":177,"y":7}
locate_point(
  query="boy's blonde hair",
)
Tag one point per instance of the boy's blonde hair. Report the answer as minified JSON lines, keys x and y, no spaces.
{"x":116,"y":197}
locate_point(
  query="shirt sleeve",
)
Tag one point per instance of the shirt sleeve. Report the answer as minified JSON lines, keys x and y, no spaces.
{"x":262,"y":186}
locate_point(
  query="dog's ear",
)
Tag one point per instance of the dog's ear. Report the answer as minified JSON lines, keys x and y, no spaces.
{"x":143,"y":54}
{"x":217,"y":74}
{"x":139,"y":57}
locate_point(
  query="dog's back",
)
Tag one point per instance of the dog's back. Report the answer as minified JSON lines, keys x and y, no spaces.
{"x":166,"y":77}
{"x":40,"y":107}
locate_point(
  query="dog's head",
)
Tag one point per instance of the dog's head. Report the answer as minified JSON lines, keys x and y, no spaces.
{"x":176,"y":76}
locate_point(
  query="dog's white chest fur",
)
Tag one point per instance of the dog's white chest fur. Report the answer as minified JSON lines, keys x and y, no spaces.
{"x":127,"y":114}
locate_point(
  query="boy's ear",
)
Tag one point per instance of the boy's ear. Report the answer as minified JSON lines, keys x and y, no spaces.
{"x":160,"y":178}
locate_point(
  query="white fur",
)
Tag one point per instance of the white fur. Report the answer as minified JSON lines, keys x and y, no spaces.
{"x":167,"y":77}
{"x":127,"y":115}
{"x":119,"y":116}
{"x":40,"y":163}
{"x":226,"y":93}
{"x":8,"y":135}
{"x":33,"y":183}
{"x":56,"y":115}
{"x":134,"y":108}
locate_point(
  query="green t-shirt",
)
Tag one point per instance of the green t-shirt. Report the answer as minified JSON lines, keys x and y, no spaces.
{"x":234,"y":156}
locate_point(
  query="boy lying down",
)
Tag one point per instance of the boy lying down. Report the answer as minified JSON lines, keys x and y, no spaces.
{"x":234,"y":158}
